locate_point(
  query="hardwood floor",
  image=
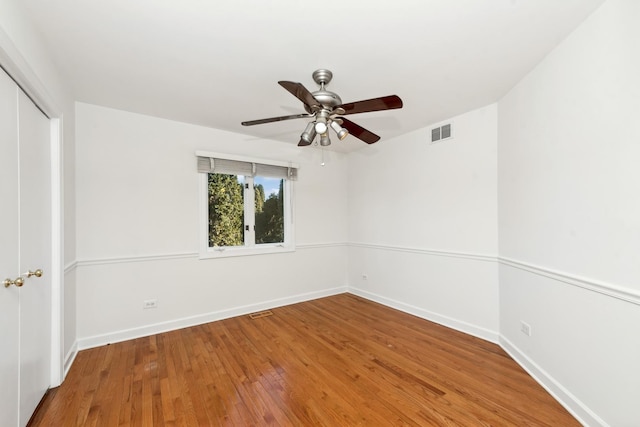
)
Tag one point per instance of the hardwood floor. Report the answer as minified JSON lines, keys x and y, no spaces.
{"x":336,"y":361}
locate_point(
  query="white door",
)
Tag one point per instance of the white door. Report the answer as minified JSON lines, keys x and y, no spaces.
{"x":9,"y":252}
{"x":35,"y":253}
{"x":26,"y":246}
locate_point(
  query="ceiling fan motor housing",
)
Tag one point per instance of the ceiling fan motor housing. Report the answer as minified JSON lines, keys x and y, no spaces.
{"x":327,"y":99}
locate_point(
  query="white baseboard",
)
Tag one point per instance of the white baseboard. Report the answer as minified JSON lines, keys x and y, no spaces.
{"x":571,"y":403}
{"x":143,"y":331}
{"x":449,"y":322}
{"x":69,"y":359}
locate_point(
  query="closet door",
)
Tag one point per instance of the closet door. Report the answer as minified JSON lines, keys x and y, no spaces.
{"x":25,"y":246}
{"x":9,"y":252}
{"x":34,"y":136}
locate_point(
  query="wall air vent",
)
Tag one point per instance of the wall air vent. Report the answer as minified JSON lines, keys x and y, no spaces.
{"x":441,"y":133}
{"x":435,"y":134}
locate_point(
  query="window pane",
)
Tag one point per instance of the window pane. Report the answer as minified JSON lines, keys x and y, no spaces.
{"x":226,"y":210}
{"x":269,"y":199}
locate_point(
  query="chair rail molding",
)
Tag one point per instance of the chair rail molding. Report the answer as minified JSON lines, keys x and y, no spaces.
{"x":608,"y":289}
{"x":434,"y":252}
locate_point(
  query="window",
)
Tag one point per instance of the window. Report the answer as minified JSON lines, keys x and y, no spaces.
{"x":246,"y":205}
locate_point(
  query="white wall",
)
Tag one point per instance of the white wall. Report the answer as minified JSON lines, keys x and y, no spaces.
{"x":137,"y":217}
{"x":24,"y":55}
{"x":422,"y":224}
{"x":569,"y":218}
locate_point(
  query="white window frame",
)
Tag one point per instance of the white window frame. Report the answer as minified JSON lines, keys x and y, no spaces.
{"x":249,"y":248}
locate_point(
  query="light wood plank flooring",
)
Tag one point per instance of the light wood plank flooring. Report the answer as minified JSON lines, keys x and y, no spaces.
{"x":336,"y":361}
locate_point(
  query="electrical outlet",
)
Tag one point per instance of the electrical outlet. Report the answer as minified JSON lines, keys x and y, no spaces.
{"x":150,"y":303}
{"x":525,"y":328}
{"x":364,"y":276}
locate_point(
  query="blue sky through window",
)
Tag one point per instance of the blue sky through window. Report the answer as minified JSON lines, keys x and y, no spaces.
{"x":271,"y":185}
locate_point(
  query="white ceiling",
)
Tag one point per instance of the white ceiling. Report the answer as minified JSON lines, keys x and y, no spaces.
{"x":217,"y":63}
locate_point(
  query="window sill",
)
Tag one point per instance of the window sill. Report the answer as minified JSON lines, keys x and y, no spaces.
{"x":225,"y":252}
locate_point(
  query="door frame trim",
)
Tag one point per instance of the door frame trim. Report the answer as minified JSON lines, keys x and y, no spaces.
{"x":57,"y":253}
{"x":17,"y":67}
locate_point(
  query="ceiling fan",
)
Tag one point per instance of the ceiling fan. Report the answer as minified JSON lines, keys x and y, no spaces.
{"x":326,"y":109}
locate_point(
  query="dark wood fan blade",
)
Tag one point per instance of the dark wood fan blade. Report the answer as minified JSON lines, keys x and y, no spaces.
{"x":390,"y":102}
{"x":300,"y":92}
{"x":276,"y":119}
{"x":303,"y":143}
{"x":359,"y":132}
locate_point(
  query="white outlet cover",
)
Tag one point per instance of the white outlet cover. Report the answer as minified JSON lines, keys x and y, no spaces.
{"x":150,"y":303}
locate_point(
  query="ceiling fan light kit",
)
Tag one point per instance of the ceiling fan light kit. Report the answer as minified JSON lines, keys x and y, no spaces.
{"x":308,"y":135}
{"x":324,"y":140}
{"x":340,"y":131}
{"x":326,"y":107}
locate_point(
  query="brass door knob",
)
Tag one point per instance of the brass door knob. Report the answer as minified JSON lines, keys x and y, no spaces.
{"x":18,"y":282}
{"x":37,"y":273}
